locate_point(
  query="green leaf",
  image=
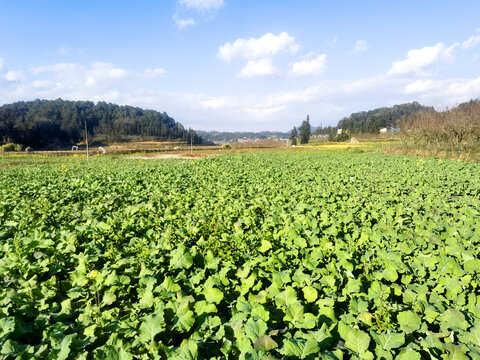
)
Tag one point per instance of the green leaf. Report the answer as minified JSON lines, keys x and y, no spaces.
{"x":146,"y":301}
{"x":111,"y":352}
{"x":170,"y":285}
{"x":365,"y":317}
{"x":453,"y":319}
{"x":255,"y":328}
{"x":455,"y":352}
{"x":7,"y":326}
{"x":65,"y":347}
{"x":188,"y":350}
{"x":294,"y":313}
{"x":181,"y":258}
{"x":287,"y":297}
{"x":265,"y":343}
{"x":213,"y":295}
{"x":265,"y":245}
{"x":409,"y":321}
{"x":202,"y":307}
{"x":389,"y":341}
{"x":108,"y":298}
{"x":409,"y":354}
{"x":309,"y":293}
{"x":151,"y":325}
{"x":357,"y":341}
{"x":183,"y":320}
{"x":309,"y":321}
{"x":300,"y":348}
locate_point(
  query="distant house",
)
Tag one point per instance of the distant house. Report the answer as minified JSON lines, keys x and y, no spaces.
{"x":389,"y":130}
{"x":339,"y":131}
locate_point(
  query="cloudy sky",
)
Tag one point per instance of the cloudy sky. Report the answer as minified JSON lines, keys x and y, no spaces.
{"x":242,"y":64}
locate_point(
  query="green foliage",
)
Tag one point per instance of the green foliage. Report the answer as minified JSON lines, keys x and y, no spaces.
{"x":10,"y":147}
{"x":343,"y":136}
{"x":304,"y":131}
{"x":293,"y":136}
{"x":373,"y":120}
{"x":244,"y":256}
{"x":52,"y":123}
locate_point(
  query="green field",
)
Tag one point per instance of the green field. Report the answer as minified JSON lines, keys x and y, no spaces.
{"x":273,"y":255}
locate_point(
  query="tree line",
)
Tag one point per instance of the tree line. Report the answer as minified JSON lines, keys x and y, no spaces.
{"x":372,"y":121}
{"x":52,"y":123}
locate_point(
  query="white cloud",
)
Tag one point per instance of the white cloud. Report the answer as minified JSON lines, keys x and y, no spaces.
{"x":449,"y":91}
{"x":312,"y":67}
{"x":57,"y":68}
{"x":152,"y":73}
{"x":359,"y":47}
{"x":471,"y":42}
{"x":183,"y":23}
{"x":43,"y":84}
{"x":100,"y":73}
{"x":214,"y":103}
{"x":267,"y":45}
{"x":259,"y":67}
{"x":418,"y":59}
{"x":1,"y":64}
{"x":202,"y":5}
{"x":13,"y":75}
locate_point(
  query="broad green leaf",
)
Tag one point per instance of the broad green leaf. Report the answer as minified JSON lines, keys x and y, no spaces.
{"x":365,"y":317}
{"x":287,"y":297}
{"x":309,"y":321}
{"x":202,"y":307}
{"x":300,"y":348}
{"x":213,"y":295}
{"x":309,"y":293}
{"x":294,"y":313}
{"x":188,"y":350}
{"x":265,"y":343}
{"x":183,"y":320}
{"x":453,"y":319}
{"x":409,"y":321}
{"x":265,"y":245}
{"x":389,"y":341}
{"x":181,"y":258}
{"x":255,"y":328}
{"x":151,"y":325}
{"x":170,"y":285}
{"x":108,"y":298}
{"x":357,"y":341}
{"x":7,"y":326}
{"x":65,"y":347}
{"x":111,"y":352}
{"x":455,"y":352}
{"x":408,"y":354}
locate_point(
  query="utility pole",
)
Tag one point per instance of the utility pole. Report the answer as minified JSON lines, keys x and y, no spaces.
{"x":191,"y":142}
{"x":86,"y":138}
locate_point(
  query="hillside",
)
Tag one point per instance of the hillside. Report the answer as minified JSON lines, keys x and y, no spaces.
{"x":373,"y":120}
{"x":52,"y":123}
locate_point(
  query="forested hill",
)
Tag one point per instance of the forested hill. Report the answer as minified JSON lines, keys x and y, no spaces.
{"x":51,"y":123}
{"x":372,"y":121}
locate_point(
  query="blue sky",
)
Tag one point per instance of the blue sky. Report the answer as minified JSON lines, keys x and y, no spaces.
{"x":242,"y":65}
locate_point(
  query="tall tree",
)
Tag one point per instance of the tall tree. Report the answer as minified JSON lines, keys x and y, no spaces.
{"x":305,"y":131}
{"x":293,"y":136}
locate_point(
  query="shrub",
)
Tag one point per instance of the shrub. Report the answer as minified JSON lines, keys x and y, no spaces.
{"x":11,"y":147}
